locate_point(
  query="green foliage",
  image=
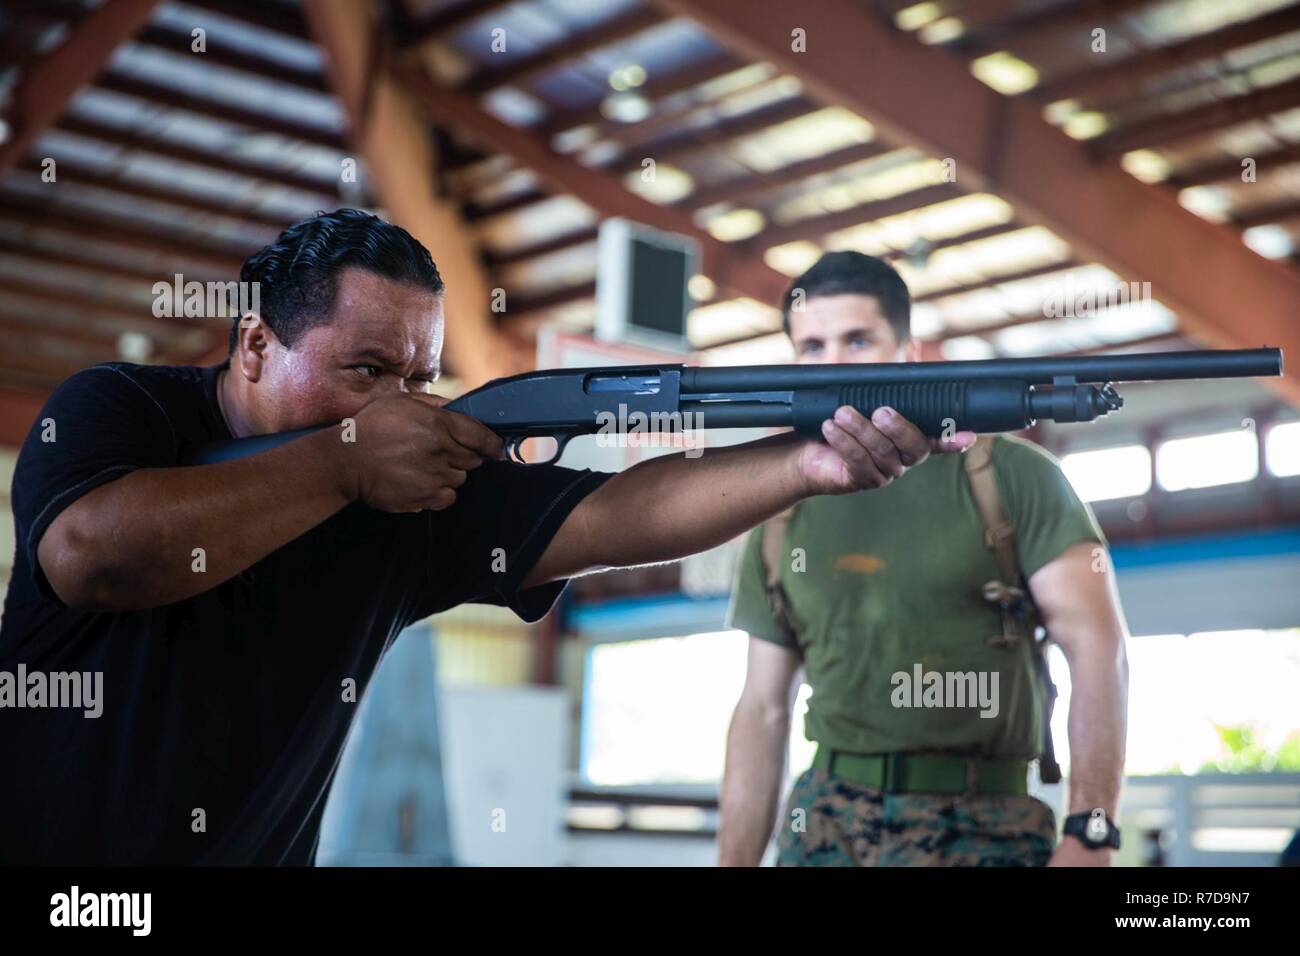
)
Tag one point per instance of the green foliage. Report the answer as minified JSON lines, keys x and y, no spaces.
{"x":1240,"y":752}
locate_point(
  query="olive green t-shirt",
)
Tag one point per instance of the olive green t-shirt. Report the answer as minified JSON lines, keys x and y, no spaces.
{"x":884,"y":589}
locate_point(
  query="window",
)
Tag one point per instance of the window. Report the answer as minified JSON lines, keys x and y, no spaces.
{"x":1213,"y":702}
{"x":1282,"y":449}
{"x":657,"y":711}
{"x":1109,"y":472}
{"x":1207,"y":460}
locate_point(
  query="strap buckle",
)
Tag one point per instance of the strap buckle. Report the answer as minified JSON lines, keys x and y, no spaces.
{"x":893,"y":773}
{"x":1006,"y":597}
{"x":995,"y":538}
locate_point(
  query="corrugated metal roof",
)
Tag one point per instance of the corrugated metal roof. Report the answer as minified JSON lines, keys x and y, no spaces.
{"x":177,"y":156}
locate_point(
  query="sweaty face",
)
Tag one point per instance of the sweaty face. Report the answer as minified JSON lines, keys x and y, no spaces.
{"x":833,"y":329}
{"x":384,"y":337}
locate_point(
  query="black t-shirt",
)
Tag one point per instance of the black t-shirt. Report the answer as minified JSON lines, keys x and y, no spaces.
{"x":227,"y":709}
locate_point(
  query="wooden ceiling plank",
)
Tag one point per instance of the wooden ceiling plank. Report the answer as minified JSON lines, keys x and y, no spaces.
{"x":1177,"y":127}
{"x":77,"y":259}
{"x":1018,"y":29}
{"x":142,"y":142}
{"x":1267,"y":215}
{"x":272,"y":17}
{"x":573,"y":46}
{"x":70,"y":171}
{"x":817,"y":227}
{"x":156,"y":94}
{"x":173,"y":41}
{"x":442,"y":22}
{"x":679,"y":146}
{"x":1118,"y":79}
{"x":742,"y":188}
{"x":110,"y":308}
{"x":992,"y":282}
{"x":656,"y":88}
{"x":546,"y":247}
{"x":222,"y":259}
{"x":1219,"y":170}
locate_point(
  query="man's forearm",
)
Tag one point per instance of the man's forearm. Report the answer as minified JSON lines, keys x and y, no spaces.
{"x":1077,"y":596}
{"x":751,"y":784}
{"x":1097,"y":728}
{"x":670,"y":507}
{"x":132,"y":543}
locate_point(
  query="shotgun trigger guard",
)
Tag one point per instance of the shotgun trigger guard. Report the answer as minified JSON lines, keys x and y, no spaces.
{"x":514,"y":449}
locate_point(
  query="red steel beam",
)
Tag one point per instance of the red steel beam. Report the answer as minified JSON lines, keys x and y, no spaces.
{"x":388,"y":129}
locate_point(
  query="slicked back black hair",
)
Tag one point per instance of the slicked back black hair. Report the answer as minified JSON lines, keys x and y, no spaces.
{"x":297,"y":275}
{"x":847,"y":273}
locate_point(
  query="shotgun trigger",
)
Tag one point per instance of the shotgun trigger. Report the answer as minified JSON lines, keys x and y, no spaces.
{"x":514,"y":449}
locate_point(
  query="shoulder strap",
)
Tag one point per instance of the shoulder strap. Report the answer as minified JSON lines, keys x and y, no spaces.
{"x":772,"y":553}
{"x":999,"y":533}
{"x":1000,"y":537}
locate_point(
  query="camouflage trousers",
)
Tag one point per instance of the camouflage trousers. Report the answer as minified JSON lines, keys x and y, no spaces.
{"x":830,"y":821}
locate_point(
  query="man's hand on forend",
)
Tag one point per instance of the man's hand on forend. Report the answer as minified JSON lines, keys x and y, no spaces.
{"x":861,"y":453}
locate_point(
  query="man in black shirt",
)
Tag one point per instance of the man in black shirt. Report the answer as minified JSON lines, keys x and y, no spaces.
{"x":224,"y":612}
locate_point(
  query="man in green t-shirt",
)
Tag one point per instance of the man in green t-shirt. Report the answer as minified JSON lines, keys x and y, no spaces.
{"x":926,"y":714}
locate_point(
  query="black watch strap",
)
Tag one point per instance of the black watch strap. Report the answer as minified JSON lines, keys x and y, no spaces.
{"x":1093,"y":828}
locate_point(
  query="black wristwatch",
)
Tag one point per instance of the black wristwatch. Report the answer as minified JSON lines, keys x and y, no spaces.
{"x":1093,"y":829}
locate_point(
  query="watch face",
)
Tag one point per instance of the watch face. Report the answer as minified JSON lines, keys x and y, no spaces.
{"x":1097,"y":829}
